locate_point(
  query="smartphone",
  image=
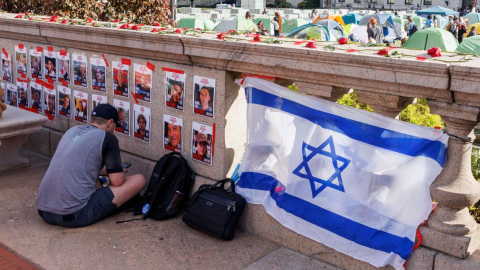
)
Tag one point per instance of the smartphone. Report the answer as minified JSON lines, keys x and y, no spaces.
{"x":126,"y":165}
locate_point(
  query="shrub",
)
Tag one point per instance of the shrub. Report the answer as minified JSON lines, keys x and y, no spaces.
{"x":351,"y":99}
{"x":419,"y":113}
{"x":284,"y":4}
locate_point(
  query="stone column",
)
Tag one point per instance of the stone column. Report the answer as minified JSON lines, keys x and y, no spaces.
{"x":450,"y":227}
{"x":386,"y":105}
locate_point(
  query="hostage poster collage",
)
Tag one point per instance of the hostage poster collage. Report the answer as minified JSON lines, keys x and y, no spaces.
{"x":47,"y":67}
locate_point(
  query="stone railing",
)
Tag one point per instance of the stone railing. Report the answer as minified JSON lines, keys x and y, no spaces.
{"x":388,"y":85}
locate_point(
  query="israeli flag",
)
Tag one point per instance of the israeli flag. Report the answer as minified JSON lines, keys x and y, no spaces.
{"x":353,"y":180}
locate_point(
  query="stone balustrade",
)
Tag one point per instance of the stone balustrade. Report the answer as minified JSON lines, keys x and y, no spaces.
{"x":387,"y":84}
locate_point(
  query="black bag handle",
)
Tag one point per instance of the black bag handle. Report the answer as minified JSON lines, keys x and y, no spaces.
{"x":231,"y":188}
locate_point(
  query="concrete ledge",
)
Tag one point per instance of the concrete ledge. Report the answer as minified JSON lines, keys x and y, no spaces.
{"x":422,"y":258}
{"x":447,"y":262}
{"x":458,"y":246}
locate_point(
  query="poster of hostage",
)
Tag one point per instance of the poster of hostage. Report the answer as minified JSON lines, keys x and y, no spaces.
{"x":50,"y":65}
{"x":12,"y":96}
{"x":172,"y":133}
{"x":21,"y":59}
{"x":141,"y":118}
{"x":64,"y":97}
{"x":50,"y":96}
{"x":36,"y":64}
{"x":143,"y":82}
{"x":79,"y":70}
{"x":22,"y":90}
{"x":123,"y":108}
{"x":120,"y":79}
{"x":36,"y":92}
{"x":63,"y":67}
{"x":203,"y":96}
{"x":202,"y":141}
{"x":97,"y":99}
{"x":81,"y":101}
{"x":175,"y":85}
{"x":7,"y":67}
{"x":98,"y":68}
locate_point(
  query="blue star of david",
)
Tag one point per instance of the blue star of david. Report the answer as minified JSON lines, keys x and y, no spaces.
{"x":335,"y":158}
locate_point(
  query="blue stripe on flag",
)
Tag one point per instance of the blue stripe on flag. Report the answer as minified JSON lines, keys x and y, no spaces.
{"x":337,"y":224}
{"x":373,"y":135}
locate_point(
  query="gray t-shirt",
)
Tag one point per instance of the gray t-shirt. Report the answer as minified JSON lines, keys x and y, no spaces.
{"x":73,"y":172}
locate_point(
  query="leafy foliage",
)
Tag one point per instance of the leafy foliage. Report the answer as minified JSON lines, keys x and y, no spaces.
{"x":284,"y":4}
{"x":419,"y":113}
{"x":309,"y":4}
{"x":351,"y":99}
{"x":146,"y":11}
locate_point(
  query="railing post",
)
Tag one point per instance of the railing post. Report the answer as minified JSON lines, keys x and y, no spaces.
{"x":386,"y":105}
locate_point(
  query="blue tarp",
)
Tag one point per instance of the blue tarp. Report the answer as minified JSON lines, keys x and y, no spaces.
{"x":437,"y":10}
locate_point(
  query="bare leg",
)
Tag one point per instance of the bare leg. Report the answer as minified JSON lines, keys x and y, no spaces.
{"x":132,"y":186}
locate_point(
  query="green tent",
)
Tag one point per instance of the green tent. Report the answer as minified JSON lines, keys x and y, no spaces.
{"x":472,"y":17}
{"x":470,"y":45}
{"x":288,"y":25}
{"x":196,"y":22}
{"x":349,"y":27}
{"x":432,"y":37}
{"x":267,"y":22}
{"x":419,"y":21}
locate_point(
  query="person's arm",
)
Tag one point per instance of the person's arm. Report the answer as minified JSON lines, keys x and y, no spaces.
{"x":112,"y":160}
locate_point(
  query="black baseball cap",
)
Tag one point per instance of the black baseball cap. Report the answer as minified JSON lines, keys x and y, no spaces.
{"x":107,"y":111}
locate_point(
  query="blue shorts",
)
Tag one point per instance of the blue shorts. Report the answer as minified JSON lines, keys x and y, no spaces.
{"x":99,"y":206}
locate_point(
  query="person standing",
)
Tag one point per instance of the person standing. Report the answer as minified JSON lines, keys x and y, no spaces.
{"x":275,"y":27}
{"x":428,"y":22}
{"x":375,"y":31}
{"x":472,"y":32}
{"x":462,"y":29}
{"x":412,"y":28}
{"x":279,"y":21}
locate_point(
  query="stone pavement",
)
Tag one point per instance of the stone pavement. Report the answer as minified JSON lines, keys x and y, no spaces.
{"x":142,"y":244}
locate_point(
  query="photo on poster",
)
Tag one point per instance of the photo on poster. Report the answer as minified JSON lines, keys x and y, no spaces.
{"x":63,"y":68}
{"x":50,"y":97}
{"x":36,"y":92}
{"x":120,"y":79}
{"x":174,"y":87}
{"x":141,"y":118}
{"x":202,"y":140}
{"x":143,"y":82}
{"x":64,"y":97}
{"x":123,"y":108}
{"x":7,"y":67}
{"x":36,"y":64}
{"x":98,"y":68}
{"x":50,"y":65}
{"x":203,"y":96}
{"x":22,"y":90}
{"x":21,"y":60}
{"x":172,"y":133}
{"x":12,"y":96}
{"x":81,"y":109}
{"x":79,"y":70}
{"x":3,"y":98}
{"x":97,"y":99}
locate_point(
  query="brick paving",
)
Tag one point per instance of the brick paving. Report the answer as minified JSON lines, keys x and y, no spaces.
{"x":10,"y":261}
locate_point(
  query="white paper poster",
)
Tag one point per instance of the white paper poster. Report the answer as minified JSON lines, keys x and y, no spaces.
{"x":141,"y":117}
{"x":7,"y":67}
{"x":120,"y":79}
{"x":64,"y":104}
{"x":174,"y":88}
{"x":21,"y":59}
{"x":50,"y":65}
{"x":123,"y":108}
{"x":63,"y":67}
{"x":81,"y":109}
{"x":12,"y":96}
{"x":36,"y":64}
{"x":202,"y":141}
{"x":203,"y":96}
{"x":98,"y":68}
{"x":172,"y":133}
{"x":22,"y":90}
{"x":36,"y":93}
{"x":50,"y":96}
{"x":4,"y":96}
{"x":79,"y":70}
{"x":143,"y":82}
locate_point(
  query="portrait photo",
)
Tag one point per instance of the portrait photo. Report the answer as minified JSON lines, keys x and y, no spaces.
{"x":12,"y":96}
{"x":50,"y":97}
{"x":50,"y":65}
{"x":64,"y":104}
{"x":36,"y":92}
{"x":174,"y":90}
{"x":203,"y":96}
{"x":143,"y":83}
{"x":172,"y":133}
{"x":141,"y":118}
{"x":79,"y":70}
{"x":81,"y":109}
{"x":120,"y":79}
{"x":6,"y":68}
{"x":21,"y":60}
{"x":202,"y":141}
{"x":22,"y":94}
{"x":36,"y":64}
{"x":98,"y":69}
{"x":123,"y":108}
{"x":63,"y":68}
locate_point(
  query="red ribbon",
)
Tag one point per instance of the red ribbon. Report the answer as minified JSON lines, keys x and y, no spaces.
{"x":4,"y":52}
{"x":39,"y":49}
{"x":134,"y":97}
{"x":30,"y":109}
{"x":213,"y":137}
{"x":299,"y":42}
{"x":104,"y":59}
{"x":421,"y":58}
{"x":151,"y":66}
{"x":351,"y":51}
{"x":173,"y":70}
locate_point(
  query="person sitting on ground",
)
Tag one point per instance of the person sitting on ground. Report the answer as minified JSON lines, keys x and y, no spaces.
{"x":70,"y":194}
{"x":472,"y":32}
{"x":374,"y":31}
{"x":262,"y":29}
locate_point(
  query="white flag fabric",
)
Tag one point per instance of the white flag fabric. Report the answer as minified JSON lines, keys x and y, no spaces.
{"x":353,"y":180}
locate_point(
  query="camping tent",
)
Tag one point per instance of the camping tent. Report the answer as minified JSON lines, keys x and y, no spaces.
{"x":359,"y":34}
{"x":351,"y":18}
{"x":333,"y":26}
{"x":334,"y":17}
{"x":267,"y":23}
{"x":311,"y":30}
{"x":470,"y":45}
{"x":442,"y":22}
{"x":196,"y":22}
{"x":236,"y":23}
{"x":437,"y":11}
{"x":384,"y":20}
{"x":349,"y":27}
{"x":419,"y":21}
{"x":477,"y":29}
{"x":289,"y":25}
{"x":473,"y":17}
{"x":432,"y":37}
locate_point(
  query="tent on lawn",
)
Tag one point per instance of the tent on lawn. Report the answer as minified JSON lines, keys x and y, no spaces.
{"x":267,"y":23}
{"x":349,"y":27}
{"x":237,"y":24}
{"x":437,"y":11}
{"x":442,"y":22}
{"x":399,"y":20}
{"x":472,"y":17}
{"x":351,"y":18}
{"x":384,"y":20}
{"x":334,"y":17}
{"x":333,"y":26}
{"x":196,"y":22}
{"x":291,"y":24}
{"x":359,"y":34}
{"x":432,"y":37}
{"x":311,"y":30}
{"x":419,"y":21}
{"x":470,"y":45}
{"x":477,"y":29}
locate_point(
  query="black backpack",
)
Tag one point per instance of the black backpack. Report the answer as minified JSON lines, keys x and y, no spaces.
{"x":169,"y":187}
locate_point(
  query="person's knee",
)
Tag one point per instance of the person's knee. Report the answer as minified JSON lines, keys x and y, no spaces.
{"x":139,"y":180}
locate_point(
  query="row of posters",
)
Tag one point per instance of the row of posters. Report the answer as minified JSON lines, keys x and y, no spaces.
{"x":58,"y":67}
{"x":43,"y":97}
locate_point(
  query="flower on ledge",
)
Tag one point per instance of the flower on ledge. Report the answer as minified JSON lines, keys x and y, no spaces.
{"x":311,"y":45}
{"x":135,"y":27}
{"x":232,"y":31}
{"x":198,"y":29}
{"x":435,"y":52}
{"x":53,"y":18}
{"x":116,"y":21}
{"x":342,"y":41}
{"x":89,"y":20}
{"x":156,"y":24}
{"x":163,"y":29}
{"x":178,"y":31}
{"x":19,"y":16}
{"x":256,"y":38}
{"x":220,"y":36}
{"x":125,"y":26}
{"x":385,"y":51}
{"x":155,"y":30}
{"x":64,"y":21}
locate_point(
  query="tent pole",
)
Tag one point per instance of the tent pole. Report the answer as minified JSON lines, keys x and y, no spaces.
{"x":426,"y":41}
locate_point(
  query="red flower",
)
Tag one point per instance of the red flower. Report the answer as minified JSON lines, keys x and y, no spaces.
{"x":155,"y":30}
{"x":437,"y":127}
{"x":198,"y":28}
{"x":135,"y":27}
{"x":435,"y":52}
{"x":89,"y":20}
{"x":178,"y":31}
{"x":384,"y":51}
{"x":53,"y":18}
{"x":282,"y":36}
{"x":256,"y":38}
{"x":220,"y":36}
{"x":64,"y":21}
{"x":18,"y":17}
{"x":311,"y":45}
{"x":116,"y":20}
{"x":184,"y":28}
{"x":156,"y":24}
{"x":232,"y":31}
{"x":342,"y":40}
{"x":124,"y":26}
{"x":26,"y":13}
{"x":163,"y":29}
{"x":31,"y":19}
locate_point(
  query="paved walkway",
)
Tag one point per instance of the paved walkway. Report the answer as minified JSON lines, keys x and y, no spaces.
{"x":142,"y":244}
